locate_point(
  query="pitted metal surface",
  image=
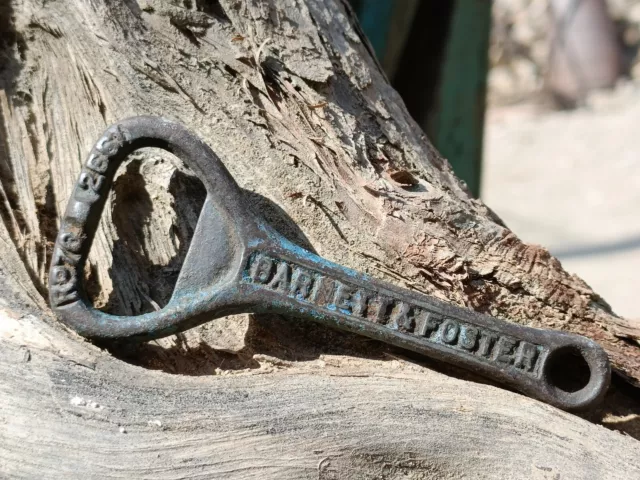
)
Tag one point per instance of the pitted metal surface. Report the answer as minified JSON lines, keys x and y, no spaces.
{"x":237,"y":263}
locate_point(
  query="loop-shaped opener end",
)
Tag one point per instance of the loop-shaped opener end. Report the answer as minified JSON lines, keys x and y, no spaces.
{"x":221,"y":217}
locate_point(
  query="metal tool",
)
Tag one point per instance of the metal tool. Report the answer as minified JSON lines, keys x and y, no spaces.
{"x":237,"y":263}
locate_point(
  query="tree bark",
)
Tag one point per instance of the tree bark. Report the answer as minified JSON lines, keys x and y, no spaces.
{"x":291,"y":99}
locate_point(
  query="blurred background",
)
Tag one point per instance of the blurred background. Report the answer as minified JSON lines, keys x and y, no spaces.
{"x":536,"y":105}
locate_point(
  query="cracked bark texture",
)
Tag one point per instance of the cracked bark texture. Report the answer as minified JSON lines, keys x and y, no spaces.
{"x":291,"y":99}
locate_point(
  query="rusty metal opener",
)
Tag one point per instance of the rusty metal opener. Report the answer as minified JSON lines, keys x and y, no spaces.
{"x":237,"y":263}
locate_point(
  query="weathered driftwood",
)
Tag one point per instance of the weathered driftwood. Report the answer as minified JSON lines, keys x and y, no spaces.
{"x":290,"y":98}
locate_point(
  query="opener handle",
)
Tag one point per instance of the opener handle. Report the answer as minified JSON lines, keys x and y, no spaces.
{"x":563,"y":369}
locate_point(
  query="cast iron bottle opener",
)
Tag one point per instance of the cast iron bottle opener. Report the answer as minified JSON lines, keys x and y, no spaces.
{"x":237,"y":263}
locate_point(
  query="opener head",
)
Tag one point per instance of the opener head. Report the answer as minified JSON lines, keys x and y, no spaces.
{"x":214,"y":255}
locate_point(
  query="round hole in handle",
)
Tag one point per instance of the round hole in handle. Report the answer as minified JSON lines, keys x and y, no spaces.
{"x":566,"y":369}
